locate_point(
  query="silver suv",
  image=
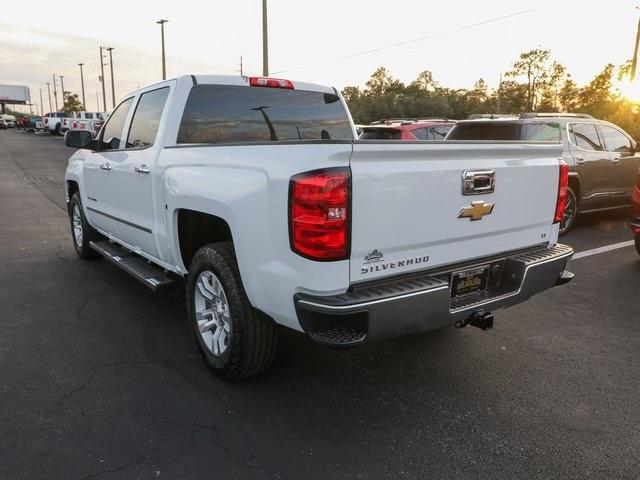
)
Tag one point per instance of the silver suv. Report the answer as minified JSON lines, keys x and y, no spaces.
{"x":602,"y":159}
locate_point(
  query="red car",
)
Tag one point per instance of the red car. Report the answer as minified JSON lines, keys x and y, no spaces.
{"x":428,"y":129}
{"x":635,"y":222}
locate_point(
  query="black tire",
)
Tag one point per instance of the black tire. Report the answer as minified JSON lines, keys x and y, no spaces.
{"x":568,"y":221}
{"x":253,"y":339}
{"x":83,"y":249}
{"x":57,"y":131}
{"x":638,"y":244}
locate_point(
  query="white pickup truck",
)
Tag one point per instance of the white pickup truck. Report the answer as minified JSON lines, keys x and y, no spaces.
{"x":53,"y":122}
{"x":90,"y":121}
{"x":256,"y":192}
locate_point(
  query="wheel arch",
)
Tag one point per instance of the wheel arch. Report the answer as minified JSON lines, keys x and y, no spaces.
{"x":575,"y":185}
{"x":195,"y":229}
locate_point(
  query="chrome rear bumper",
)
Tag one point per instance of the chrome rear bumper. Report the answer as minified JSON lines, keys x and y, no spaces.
{"x":422,"y":302}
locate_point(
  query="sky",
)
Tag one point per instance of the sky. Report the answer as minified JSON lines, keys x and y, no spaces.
{"x":333,"y":42}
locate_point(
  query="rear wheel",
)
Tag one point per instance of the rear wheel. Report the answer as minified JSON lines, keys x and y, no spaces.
{"x":570,"y":212}
{"x":81,"y":232}
{"x":234,"y":339}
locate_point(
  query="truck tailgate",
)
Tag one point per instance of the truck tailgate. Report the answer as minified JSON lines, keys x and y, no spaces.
{"x":409,"y":211}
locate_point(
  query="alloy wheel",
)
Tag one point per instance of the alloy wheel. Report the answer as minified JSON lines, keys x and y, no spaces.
{"x":213,"y":314}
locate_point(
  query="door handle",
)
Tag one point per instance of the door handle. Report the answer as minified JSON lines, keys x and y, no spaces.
{"x":141,"y":169}
{"x":105,"y":166}
{"x":580,"y":160}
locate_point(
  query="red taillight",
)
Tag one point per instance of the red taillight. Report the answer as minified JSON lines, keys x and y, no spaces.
{"x":319,"y":214}
{"x":563,"y":183}
{"x":270,"y":82}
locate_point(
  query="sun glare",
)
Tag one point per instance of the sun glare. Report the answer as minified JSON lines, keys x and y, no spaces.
{"x":630,"y":90}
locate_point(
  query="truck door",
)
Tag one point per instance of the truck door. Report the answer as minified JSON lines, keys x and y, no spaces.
{"x":99,"y":188}
{"x":593,"y":164}
{"x":133,"y":175}
{"x":624,"y":162}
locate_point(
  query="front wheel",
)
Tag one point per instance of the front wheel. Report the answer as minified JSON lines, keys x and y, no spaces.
{"x":81,"y":232}
{"x":570,"y":212}
{"x":235,"y":340}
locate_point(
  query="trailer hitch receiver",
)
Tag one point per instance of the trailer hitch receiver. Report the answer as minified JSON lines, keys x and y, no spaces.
{"x":482,"y":320}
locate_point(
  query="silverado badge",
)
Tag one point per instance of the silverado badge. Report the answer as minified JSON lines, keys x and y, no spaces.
{"x":476,"y":210}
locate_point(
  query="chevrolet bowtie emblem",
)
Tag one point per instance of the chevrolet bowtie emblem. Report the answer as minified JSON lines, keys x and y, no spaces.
{"x":476,"y":210}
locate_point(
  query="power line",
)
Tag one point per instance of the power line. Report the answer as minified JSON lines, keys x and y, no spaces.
{"x":415,"y":40}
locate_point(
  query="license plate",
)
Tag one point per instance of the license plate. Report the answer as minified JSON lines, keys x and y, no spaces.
{"x":469,"y":281}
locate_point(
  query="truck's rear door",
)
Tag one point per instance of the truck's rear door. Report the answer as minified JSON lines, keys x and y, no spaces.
{"x":410,"y":209}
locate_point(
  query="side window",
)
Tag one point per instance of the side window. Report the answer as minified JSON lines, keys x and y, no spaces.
{"x":422,"y":134}
{"x":542,"y":132}
{"x":615,"y":140}
{"x":585,"y":136}
{"x":440,"y":132}
{"x":146,"y":118}
{"x":88,"y":116}
{"x":113,"y":128}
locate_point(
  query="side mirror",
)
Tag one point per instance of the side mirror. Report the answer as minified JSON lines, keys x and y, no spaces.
{"x":78,"y":138}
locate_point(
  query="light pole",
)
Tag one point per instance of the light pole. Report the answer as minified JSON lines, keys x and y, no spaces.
{"x":265,"y":40}
{"x":82,"y":83}
{"x":164,"y":66}
{"x":55,"y":92}
{"x":634,"y":62}
{"x":49,"y":92}
{"x":113,"y":88}
{"x":104,"y":94}
{"x":62,"y":87}
{"x":41,"y":104}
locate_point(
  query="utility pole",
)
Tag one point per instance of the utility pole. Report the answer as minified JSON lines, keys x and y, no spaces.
{"x":41,"y":104}
{"x":82,"y":83}
{"x":241,"y":67}
{"x":499,"y":94}
{"x":104,"y":94}
{"x":634,"y":62}
{"x":265,"y":41}
{"x":113,"y":89}
{"x":55,"y":92}
{"x":97,"y":100}
{"x":164,"y":65}
{"x":49,"y":92}
{"x":62,"y":87}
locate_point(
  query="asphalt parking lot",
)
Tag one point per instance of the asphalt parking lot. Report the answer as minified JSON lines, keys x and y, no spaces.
{"x":100,"y":377}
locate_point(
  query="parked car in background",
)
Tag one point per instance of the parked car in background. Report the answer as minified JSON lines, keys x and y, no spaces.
{"x":89,"y":121}
{"x":32,"y":123}
{"x":601,"y":156}
{"x":3,"y":124}
{"x":10,"y":120}
{"x":428,"y":129}
{"x":254,"y":191}
{"x":53,"y":122}
{"x":635,"y":220}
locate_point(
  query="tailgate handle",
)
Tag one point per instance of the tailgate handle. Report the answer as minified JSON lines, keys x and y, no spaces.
{"x":478,"y":182}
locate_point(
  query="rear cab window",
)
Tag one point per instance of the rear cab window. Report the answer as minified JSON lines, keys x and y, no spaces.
{"x":230,"y":113}
{"x":486,"y":131}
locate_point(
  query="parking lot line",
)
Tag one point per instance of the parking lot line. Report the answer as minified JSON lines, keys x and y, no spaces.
{"x":606,"y":248}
